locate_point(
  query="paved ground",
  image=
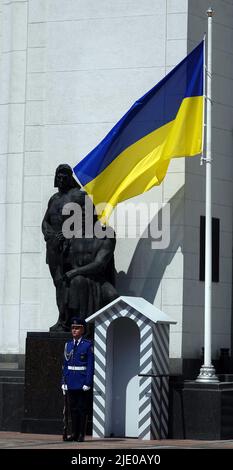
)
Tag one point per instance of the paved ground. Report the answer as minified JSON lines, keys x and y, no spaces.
{"x":15,"y":440}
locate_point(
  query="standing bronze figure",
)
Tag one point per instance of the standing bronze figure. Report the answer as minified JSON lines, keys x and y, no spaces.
{"x":82,"y":267}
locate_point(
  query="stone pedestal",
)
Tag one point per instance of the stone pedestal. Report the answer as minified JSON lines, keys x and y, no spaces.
{"x":202,"y":411}
{"x":43,"y":400}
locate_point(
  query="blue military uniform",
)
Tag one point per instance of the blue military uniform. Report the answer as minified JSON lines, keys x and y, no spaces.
{"x":78,"y":370}
{"x":78,"y":367}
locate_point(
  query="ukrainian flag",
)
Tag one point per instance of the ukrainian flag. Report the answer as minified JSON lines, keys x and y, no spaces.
{"x":167,"y":122}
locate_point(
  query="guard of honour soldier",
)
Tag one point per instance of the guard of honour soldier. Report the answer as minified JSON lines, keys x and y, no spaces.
{"x":77,"y":378}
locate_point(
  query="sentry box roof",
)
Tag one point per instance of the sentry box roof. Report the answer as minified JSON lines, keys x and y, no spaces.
{"x":138,"y":304}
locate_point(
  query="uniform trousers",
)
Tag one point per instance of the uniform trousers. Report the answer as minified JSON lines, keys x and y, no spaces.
{"x":79,"y":405}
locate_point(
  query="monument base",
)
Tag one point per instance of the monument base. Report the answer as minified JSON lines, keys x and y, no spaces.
{"x":202,"y":411}
{"x":43,"y":399}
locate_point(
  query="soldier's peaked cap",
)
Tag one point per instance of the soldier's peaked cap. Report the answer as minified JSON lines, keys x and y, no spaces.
{"x":78,"y":322}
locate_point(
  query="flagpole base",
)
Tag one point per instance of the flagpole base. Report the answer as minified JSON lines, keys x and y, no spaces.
{"x":207,"y":375}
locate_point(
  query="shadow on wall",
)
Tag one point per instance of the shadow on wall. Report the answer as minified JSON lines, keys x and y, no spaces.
{"x":148,"y":265}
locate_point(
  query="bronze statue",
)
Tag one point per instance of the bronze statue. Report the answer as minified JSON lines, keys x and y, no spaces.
{"x":82,"y":268}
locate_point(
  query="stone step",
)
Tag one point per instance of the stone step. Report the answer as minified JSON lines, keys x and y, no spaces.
{"x":15,"y":380}
{"x":9,"y":365}
{"x":12,"y":373}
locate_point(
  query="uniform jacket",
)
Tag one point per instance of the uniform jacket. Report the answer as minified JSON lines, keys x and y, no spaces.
{"x":78,"y":367}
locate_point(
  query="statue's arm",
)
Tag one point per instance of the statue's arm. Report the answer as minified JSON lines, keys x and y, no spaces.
{"x":98,"y":265}
{"x":47,"y":229}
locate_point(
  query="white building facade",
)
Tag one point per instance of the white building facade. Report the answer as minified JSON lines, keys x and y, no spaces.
{"x":69,"y":70}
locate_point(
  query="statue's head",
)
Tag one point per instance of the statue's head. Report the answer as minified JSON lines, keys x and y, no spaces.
{"x":64,"y":178}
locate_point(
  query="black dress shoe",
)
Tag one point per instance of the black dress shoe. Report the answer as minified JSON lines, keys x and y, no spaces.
{"x":71,"y":438}
{"x":80,"y":438}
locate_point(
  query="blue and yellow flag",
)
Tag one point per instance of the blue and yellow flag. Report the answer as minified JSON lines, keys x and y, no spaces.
{"x":167,"y":122}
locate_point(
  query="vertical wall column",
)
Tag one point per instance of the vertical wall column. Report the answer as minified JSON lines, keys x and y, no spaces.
{"x":12,"y":116}
{"x":36,"y":284}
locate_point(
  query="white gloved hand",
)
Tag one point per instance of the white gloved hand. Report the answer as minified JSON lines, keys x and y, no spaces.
{"x":64,"y":388}
{"x":85,"y":388}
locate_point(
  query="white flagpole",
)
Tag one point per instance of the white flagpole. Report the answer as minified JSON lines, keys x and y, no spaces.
{"x":204,"y":104}
{"x":207,"y":371}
